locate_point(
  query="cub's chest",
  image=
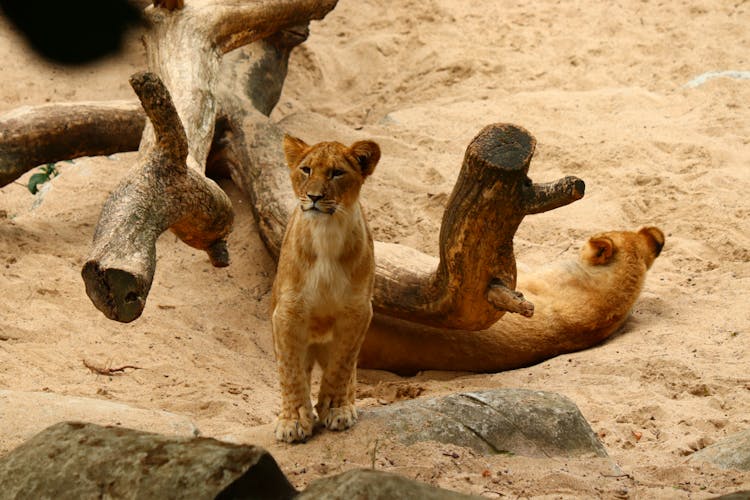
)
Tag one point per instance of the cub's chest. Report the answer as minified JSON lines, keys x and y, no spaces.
{"x":329,"y":253}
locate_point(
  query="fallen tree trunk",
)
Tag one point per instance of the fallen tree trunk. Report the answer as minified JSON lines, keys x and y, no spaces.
{"x":168,"y":188}
{"x":469,"y":288}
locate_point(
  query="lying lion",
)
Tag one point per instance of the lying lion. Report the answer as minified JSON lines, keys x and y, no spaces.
{"x":578,"y":303}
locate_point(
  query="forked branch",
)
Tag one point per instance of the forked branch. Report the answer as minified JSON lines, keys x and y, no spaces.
{"x":162,"y":192}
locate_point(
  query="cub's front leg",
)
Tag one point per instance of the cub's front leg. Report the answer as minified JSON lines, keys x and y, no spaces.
{"x":338,"y":386}
{"x":296,"y":419}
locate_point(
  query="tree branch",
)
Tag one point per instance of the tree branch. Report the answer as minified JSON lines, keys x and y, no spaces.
{"x":32,"y":136}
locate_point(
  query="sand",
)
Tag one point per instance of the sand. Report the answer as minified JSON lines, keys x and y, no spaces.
{"x":602,"y":87}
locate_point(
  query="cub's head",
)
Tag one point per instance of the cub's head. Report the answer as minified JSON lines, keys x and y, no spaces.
{"x":328,"y":176}
{"x":626,"y":247}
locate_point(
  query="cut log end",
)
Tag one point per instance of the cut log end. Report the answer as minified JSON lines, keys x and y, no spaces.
{"x":503,"y":146}
{"x":119,"y":294}
{"x":509,"y":300}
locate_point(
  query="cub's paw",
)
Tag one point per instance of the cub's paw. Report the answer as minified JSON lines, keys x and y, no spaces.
{"x":293,"y":431}
{"x":340,"y":418}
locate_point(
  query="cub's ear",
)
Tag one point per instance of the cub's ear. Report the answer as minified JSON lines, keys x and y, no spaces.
{"x":293,"y":150}
{"x":367,"y":154}
{"x":599,"y":250}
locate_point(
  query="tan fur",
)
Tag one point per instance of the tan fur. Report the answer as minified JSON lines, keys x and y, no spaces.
{"x":578,"y":303}
{"x":323,"y":287}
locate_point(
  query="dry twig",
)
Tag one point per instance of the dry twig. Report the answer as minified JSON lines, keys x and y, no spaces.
{"x":108,"y":370}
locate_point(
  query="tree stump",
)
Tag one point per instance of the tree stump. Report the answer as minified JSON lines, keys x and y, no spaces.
{"x":474,"y":282}
{"x":468,"y":288}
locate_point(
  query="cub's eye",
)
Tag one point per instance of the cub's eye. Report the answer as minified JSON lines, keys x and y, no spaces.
{"x":305,"y":170}
{"x":337,"y":173}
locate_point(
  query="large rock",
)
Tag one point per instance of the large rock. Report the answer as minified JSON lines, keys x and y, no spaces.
{"x":519,"y":421}
{"x":77,"y":460}
{"x":24,"y":414}
{"x":375,"y":485}
{"x":732,"y":452}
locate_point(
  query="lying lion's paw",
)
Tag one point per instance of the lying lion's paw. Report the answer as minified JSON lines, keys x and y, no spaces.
{"x":338,"y":419}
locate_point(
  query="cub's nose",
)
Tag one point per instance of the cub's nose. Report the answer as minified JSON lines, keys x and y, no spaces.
{"x":314,"y":197}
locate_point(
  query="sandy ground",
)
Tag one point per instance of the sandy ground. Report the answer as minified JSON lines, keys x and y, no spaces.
{"x":602,"y":86}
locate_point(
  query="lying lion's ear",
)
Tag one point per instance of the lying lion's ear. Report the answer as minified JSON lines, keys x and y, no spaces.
{"x":367,"y":154}
{"x":599,"y":250}
{"x":655,"y":238}
{"x":293,"y":150}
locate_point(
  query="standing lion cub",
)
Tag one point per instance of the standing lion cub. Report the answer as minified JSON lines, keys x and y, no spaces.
{"x":323,"y":288}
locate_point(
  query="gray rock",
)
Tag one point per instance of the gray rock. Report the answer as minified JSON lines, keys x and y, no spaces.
{"x":732,"y":452}
{"x":375,"y":485}
{"x":76,"y":460}
{"x":519,"y":421}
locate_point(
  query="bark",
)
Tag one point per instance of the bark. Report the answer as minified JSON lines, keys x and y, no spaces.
{"x":168,"y":188}
{"x":32,"y":136}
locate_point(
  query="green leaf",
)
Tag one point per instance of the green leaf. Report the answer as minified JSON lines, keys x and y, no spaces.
{"x":35,"y":180}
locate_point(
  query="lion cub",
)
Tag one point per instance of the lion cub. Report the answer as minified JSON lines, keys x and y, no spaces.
{"x":323,"y":288}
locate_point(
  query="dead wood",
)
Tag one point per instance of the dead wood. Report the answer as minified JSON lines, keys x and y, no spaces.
{"x":475,"y":279}
{"x":32,"y":136}
{"x":168,"y":188}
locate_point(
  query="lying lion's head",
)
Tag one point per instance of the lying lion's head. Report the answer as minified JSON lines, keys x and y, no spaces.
{"x":328,"y":176}
{"x":607,"y":248}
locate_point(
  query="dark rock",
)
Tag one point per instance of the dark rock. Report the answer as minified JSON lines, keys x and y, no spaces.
{"x":519,"y":421}
{"x":375,"y":485}
{"x":732,"y":452}
{"x":81,"y":460}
